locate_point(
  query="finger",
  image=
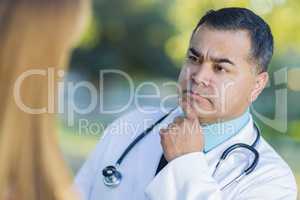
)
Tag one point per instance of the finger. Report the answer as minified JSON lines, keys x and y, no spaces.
{"x":173,"y":128}
{"x":171,"y":125}
{"x":164,"y":140}
{"x":162,"y":131}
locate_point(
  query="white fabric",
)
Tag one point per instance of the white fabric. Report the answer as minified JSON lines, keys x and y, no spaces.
{"x":188,"y":177}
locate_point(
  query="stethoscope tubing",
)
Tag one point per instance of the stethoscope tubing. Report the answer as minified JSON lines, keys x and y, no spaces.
{"x":140,"y":137}
{"x":112,"y":176}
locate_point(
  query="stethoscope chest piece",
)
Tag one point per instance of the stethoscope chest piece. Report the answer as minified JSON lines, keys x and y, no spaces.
{"x":111,"y":176}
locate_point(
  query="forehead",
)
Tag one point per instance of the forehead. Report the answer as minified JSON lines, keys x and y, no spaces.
{"x":234,"y":44}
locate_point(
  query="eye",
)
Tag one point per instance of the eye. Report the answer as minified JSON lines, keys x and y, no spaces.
{"x":220,"y":69}
{"x":193,"y":58}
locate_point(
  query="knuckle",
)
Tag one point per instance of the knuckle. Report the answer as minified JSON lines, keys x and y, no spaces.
{"x":178,"y":119}
{"x":162,"y":130}
{"x":171,"y":125}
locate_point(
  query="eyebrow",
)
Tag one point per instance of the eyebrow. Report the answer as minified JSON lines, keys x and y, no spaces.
{"x":214,"y":59}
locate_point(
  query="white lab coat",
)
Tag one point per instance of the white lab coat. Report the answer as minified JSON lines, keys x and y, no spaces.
{"x":188,"y":177}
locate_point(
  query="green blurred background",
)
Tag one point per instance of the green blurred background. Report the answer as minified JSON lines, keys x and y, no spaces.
{"x":148,"y":39}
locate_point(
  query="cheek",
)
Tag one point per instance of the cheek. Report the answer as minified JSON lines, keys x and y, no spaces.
{"x":238,"y":93}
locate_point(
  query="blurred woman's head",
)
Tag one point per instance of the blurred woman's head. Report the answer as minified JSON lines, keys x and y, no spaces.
{"x":34,"y":34}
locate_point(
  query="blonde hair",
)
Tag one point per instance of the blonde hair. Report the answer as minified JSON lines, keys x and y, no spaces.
{"x":35,"y":34}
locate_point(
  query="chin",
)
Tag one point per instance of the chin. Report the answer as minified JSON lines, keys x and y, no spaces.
{"x":202,"y":111}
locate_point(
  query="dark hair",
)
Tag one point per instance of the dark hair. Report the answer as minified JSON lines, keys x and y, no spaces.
{"x":244,"y":19}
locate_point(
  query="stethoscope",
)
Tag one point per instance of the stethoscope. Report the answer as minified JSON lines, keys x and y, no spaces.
{"x":112,"y":176}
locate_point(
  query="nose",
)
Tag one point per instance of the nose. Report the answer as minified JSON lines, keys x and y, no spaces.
{"x":202,"y":76}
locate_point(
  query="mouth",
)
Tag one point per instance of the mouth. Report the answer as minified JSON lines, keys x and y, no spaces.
{"x":197,"y":96}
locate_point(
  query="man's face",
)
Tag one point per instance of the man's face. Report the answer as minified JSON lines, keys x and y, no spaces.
{"x":218,"y":79}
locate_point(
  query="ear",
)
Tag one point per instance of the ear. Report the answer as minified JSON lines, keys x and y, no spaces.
{"x":261,"y":81}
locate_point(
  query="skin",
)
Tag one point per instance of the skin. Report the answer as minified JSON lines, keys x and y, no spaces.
{"x":219,"y":80}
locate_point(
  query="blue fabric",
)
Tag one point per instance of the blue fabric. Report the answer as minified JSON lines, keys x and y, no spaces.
{"x":219,"y":132}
